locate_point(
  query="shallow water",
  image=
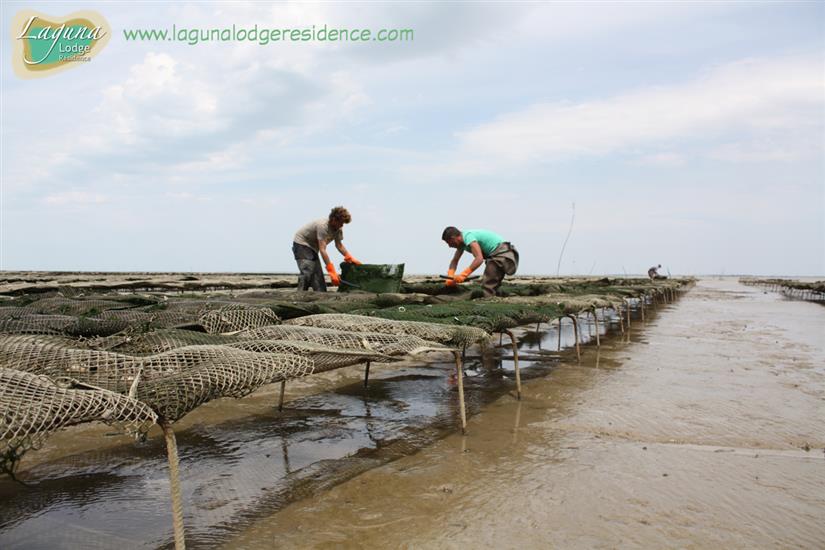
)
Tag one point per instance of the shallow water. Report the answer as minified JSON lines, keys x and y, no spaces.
{"x":689,"y":431}
{"x":706,"y":429}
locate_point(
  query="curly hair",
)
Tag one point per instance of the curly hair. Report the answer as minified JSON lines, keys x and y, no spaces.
{"x":340,"y":214}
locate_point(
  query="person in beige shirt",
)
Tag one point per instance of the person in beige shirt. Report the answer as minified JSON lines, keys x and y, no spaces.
{"x":311,"y":240}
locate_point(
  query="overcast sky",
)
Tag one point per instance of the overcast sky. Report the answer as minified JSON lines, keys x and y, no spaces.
{"x":691,"y":135}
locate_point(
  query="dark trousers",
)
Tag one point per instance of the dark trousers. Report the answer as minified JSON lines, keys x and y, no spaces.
{"x":503,"y":261}
{"x":310,"y":275}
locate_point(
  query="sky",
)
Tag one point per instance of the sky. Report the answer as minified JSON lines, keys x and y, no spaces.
{"x":690,"y":135}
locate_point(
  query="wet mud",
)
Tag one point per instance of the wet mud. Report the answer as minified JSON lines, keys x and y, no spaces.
{"x":700,"y":426}
{"x":703,"y":429}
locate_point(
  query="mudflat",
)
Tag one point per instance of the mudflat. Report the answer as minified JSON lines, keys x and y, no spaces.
{"x":703,"y":429}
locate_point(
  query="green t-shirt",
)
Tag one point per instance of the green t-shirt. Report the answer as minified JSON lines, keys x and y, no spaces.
{"x":487,"y":240}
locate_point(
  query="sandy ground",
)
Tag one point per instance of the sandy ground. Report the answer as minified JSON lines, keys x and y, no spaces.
{"x":704,"y":429}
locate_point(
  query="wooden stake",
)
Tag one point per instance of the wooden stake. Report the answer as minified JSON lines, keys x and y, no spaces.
{"x":367,"y":374}
{"x":281,"y":398}
{"x":559,"y":347}
{"x":576,"y":334}
{"x":627,"y":305}
{"x":596,"y":322}
{"x":515,"y":363}
{"x":460,"y":373}
{"x":174,"y":485}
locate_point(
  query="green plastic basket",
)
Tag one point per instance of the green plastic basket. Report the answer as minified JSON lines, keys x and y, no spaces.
{"x":379,"y":278}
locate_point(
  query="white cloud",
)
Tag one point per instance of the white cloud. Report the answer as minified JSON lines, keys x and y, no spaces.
{"x":787,"y":150}
{"x":662,"y":159}
{"x":75,"y":198}
{"x":174,"y":121}
{"x":243,"y":134}
{"x":158,"y":100}
{"x":748,"y":96}
{"x":188,"y":197}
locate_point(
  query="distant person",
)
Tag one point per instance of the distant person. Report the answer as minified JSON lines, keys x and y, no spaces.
{"x":653,"y":272}
{"x":485,"y":246}
{"x":312,"y":239}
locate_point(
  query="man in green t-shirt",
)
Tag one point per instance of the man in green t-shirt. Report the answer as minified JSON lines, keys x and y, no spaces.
{"x":500,"y":256}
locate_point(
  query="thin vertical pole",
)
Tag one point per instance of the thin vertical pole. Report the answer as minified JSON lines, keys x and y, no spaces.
{"x":596,"y":322}
{"x":281,"y":398}
{"x":367,"y":374}
{"x":174,"y":485}
{"x":460,"y":374}
{"x":515,"y":363}
{"x":576,"y":334}
{"x":627,"y":305}
{"x":559,"y":346}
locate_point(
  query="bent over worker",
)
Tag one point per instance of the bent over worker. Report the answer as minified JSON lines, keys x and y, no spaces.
{"x":500,"y":256}
{"x":311,"y":240}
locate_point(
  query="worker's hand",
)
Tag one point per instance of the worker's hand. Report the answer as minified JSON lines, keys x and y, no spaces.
{"x":350,"y":260}
{"x":462,"y":276}
{"x":450,"y":274}
{"x":333,"y":276}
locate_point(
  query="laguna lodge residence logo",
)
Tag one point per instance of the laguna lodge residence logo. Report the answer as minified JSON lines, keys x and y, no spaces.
{"x":43,"y":45}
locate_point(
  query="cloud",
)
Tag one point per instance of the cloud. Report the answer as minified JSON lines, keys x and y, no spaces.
{"x":750,"y":96}
{"x":787,"y":150}
{"x":173,"y":121}
{"x":519,"y":110}
{"x":662,"y":159}
{"x":194,"y":114}
{"x":75,"y":198}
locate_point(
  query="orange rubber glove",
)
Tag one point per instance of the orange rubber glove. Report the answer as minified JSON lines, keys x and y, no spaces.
{"x":333,"y":276}
{"x":450,"y":282}
{"x":463,"y":276}
{"x":350,"y":260}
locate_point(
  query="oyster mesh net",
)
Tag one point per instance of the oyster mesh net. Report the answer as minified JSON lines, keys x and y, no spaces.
{"x":197,"y":380}
{"x":387,"y":344}
{"x":33,"y":323}
{"x":237,"y":317}
{"x":66,"y":359}
{"x":324,"y":357}
{"x":157,"y":341}
{"x":69,"y":306}
{"x":172,"y":382}
{"x":32,"y":406}
{"x":434,"y":332}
